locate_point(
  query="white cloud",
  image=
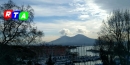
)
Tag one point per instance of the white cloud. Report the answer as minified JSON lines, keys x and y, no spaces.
{"x":47,"y":7}
{"x":82,"y":31}
{"x":49,"y":1}
{"x":88,"y":9}
{"x":70,"y":28}
{"x":90,"y":13}
{"x":51,"y":10}
{"x":65,"y":32}
{"x":83,"y":17}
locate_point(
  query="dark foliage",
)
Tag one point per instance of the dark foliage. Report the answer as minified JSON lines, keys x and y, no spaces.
{"x":16,"y":35}
{"x":49,"y":61}
{"x":113,"y":41}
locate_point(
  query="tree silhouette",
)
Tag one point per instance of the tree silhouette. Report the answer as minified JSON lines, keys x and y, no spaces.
{"x":16,"y":32}
{"x":114,"y":37}
{"x":49,"y":61}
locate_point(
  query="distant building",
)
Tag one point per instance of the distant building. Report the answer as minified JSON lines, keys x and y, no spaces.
{"x":55,"y":50}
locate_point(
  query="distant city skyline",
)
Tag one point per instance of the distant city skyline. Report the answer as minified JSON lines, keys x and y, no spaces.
{"x":70,"y":17}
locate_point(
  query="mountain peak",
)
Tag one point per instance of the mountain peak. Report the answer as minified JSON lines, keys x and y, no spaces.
{"x":79,"y":35}
{"x":78,"y":39}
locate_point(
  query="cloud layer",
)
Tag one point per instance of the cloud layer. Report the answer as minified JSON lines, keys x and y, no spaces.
{"x":71,"y":17}
{"x":87,"y":9}
{"x":70,"y":28}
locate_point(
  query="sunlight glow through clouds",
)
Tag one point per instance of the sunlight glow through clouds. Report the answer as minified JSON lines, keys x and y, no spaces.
{"x":86,"y":17}
{"x":89,"y":14}
{"x":70,"y":16}
{"x":88,"y":9}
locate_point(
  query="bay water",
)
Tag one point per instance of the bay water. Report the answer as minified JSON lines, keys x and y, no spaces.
{"x":81,"y":50}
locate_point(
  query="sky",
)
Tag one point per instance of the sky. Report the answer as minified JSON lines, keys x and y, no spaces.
{"x":57,"y":18}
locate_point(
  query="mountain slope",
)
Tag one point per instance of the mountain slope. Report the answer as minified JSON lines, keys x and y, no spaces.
{"x":75,"y":40}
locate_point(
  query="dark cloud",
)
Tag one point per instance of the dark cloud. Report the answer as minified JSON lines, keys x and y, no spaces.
{"x":111,"y":5}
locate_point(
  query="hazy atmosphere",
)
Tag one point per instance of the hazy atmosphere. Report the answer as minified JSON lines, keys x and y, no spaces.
{"x":70,"y":17}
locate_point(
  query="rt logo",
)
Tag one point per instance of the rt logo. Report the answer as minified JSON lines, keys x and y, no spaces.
{"x":19,"y":15}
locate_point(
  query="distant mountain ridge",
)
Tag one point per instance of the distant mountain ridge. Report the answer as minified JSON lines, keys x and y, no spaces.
{"x":75,"y":40}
